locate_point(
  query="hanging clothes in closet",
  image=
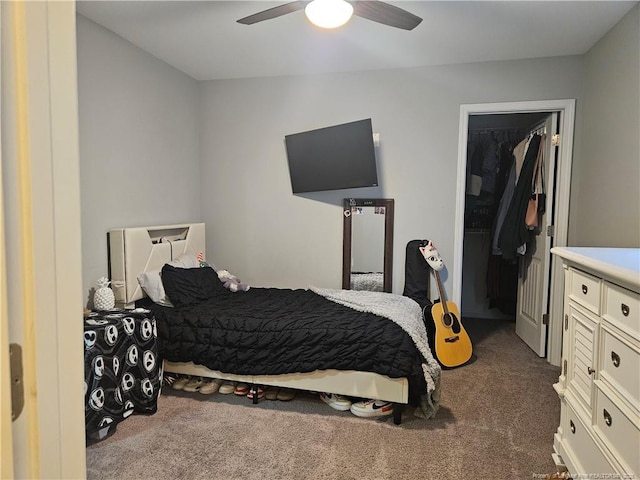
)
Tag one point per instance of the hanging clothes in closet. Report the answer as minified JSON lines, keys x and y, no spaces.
{"x":487,"y":162}
{"x":514,"y":232}
{"x":510,"y":233}
{"x":491,"y":179}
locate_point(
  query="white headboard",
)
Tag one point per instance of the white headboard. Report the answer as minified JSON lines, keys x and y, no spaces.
{"x":133,"y":251}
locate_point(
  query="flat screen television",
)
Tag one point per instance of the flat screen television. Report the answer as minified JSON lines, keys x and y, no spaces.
{"x":332,"y":158}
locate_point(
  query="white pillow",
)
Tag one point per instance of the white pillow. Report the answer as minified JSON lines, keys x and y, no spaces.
{"x":151,"y":281}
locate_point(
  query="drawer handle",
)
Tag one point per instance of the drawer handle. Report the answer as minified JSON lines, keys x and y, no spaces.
{"x":625,"y":309}
{"x":572,"y":426}
{"x":615,"y":358}
{"x":590,"y":371}
{"x":607,"y":418}
{"x":584,"y":289}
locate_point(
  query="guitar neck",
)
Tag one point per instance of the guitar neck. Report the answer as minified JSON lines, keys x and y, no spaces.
{"x":443,"y":299}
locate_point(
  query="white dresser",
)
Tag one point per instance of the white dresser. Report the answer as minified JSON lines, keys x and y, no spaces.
{"x":599,"y":385}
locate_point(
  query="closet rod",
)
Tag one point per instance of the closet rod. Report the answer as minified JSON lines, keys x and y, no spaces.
{"x":540,"y":128}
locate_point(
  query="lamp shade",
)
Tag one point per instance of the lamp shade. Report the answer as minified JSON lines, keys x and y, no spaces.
{"x":328,"y":13}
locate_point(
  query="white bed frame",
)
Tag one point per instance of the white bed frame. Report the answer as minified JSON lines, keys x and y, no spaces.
{"x":133,"y":251}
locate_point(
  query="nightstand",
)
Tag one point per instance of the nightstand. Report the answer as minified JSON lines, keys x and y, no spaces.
{"x":121,"y":367}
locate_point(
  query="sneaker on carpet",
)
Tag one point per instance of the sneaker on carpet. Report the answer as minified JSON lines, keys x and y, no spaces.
{"x":286,"y":394}
{"x":335,"y":401}
{"x":260,"y":393}
{"x":241,"y":389}
{"x":180,"y":383}
{"x":272,"y":393}
{"x":194,"y":384}
{"x":372,"y":408}
{"x":209,"y":387}
{"x":226,"y":388}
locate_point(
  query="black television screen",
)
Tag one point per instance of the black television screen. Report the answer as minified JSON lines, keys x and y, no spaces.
{"x":332,"y":158}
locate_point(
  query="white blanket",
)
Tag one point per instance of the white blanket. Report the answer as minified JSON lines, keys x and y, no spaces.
{"x":407,"y":314}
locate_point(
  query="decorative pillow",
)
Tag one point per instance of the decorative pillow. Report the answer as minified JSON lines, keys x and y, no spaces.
{"x":189,"y":286}
{"x":151,"y":282}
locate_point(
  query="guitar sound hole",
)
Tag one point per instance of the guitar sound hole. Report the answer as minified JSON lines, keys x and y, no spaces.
{"x":450,"y":321}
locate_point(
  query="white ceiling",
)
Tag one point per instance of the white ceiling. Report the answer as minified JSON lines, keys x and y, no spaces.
{"x":202,"y":38}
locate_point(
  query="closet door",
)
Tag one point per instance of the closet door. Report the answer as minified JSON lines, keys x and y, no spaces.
{"x":535,"y":266}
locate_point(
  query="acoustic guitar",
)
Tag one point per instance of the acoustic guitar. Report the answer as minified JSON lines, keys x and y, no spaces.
{"x":452,"y":344}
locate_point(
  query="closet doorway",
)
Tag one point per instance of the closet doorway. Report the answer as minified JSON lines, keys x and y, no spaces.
{"x":520,"y":288}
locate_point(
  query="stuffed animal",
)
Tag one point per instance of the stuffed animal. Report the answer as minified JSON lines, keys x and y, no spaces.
{"x":232,"y":282}
{"x":432,"y":256}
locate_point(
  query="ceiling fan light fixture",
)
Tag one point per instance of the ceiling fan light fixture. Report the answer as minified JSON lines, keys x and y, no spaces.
{"x":328,"y":13}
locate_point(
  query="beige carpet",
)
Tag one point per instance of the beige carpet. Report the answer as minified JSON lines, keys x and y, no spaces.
{"x":496,"y":421}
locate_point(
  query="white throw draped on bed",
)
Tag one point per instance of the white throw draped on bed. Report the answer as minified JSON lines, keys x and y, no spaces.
{"x":408,"y":315}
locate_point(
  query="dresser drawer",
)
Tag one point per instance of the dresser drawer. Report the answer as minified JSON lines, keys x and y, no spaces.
{"x":585,"y":290}
{"x":620,"y":366}
{"x":619,"y":432}
{"x":583,"y":454}
{"x":622,"y":308}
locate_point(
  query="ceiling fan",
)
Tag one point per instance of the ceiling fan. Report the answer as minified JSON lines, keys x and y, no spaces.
{"x":334,"y":13}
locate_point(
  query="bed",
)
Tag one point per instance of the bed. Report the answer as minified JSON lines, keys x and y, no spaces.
{"x":359,"y":344}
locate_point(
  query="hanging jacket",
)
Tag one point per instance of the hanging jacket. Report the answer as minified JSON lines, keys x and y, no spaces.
{"x":514,"y":231}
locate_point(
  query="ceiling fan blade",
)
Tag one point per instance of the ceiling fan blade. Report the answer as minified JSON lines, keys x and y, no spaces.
{"x":386,"y":14}
{"x":273,"y":12}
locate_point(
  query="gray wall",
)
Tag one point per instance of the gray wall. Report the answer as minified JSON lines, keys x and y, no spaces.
{"x":605,"y":203}
{"x":143,"y":161}
{"x":266,"y":235}
{"x":139,"y":155}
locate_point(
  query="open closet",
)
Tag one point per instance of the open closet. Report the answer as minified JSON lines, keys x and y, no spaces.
{"x":505,"y":269}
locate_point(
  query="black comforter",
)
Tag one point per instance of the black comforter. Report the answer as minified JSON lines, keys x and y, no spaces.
{"x":276,"y":331}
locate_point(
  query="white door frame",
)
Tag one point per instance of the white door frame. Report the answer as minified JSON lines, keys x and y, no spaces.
{"x":561,"y":210}
{"x":6,"y":432}
{"x":41,"y":276}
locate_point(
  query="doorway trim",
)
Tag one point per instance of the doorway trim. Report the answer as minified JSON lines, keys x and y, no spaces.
{"x":42,"y":240}
{"x":566,"y":108}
